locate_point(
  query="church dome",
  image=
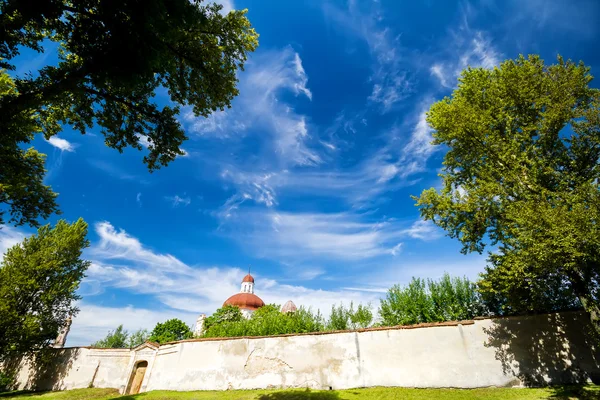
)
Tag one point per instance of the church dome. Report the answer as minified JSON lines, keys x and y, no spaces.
{"x":248,"y":278}
{"x":248,"y":301}
{"x":288,"y":307}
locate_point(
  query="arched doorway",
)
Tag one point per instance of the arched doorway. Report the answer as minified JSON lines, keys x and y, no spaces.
{"x":137,"y":377}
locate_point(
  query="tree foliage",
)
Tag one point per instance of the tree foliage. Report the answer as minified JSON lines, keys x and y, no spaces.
{"x":113,"y":58}
{"x":268,"y":320}
{"x":265,"y":321}
{"x":342,"y":318}
{"x":170,"y":331}
{"x":138,"y":337}
{"x":225,"y":314}
{"x":116,"y":339}
{"x":521,"y":174}
{"x":121,"y":338}
{"x":448,"y":299}
{"x":38,"y":282}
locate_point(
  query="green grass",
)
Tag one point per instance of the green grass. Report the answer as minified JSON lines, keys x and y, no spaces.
{"x":559,"y":393}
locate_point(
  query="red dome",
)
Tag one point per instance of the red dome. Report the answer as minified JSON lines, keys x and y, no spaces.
{"x":248,"y":301}
{"x":248,"y":278}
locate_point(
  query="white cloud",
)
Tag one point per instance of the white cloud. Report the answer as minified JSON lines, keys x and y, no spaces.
{"x":315,"y":236}
{"x":181,"y":291}
{"x":93,"y":321}
{"x":267,"y":76}
{"x":138,"y":199}
{"x":118,"y":244}
{"x":177,"y":201}
{"x":9,"y":237}
{"x":437,"y":70}
{"x":424,"y":230}
{"x":392,"y":166}
{"x":62,"y":144}
{"x":466,"y":48}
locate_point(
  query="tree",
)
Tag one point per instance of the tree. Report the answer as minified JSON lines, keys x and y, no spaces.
{"x":170,"y":331}
{"x":521,"y":174}
{"x":116,"y":339}
{"x":362,"y":317}
{"x":406,"y":305}
{"x":113,"y":57}
{"x":227,"y":313}
{"x":38,"y":282}
{"x":265,"y":321}
{"x":342,"y":318}
{"x":448,"y":299}
{"x":121,"y":338}
{"x":138,"y":337}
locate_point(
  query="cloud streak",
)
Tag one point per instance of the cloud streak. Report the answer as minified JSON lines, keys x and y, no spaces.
{"x":61,"y":144}
{"x":268,"y":75}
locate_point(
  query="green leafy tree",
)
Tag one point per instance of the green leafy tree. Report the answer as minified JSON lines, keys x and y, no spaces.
{"x":138,"y":337}
{"x":342,"y":318}
{"x":227,"y":313}
{"x":113,"y":59}
{"x":447,"y":299}
{"x":117,"y":339}
{"x":38,"y":282}
{"x":362,"y":317}
{"x":265,"y":321}
{"x":121,"y":338}
{"x":170,"y":331}
{"x":406,"y":305}
{"x":521,"y":174}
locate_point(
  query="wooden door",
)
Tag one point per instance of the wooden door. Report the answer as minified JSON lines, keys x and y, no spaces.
{"x":137,"y":377}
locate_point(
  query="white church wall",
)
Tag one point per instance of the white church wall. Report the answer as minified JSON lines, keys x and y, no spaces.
{"x":491,"y":352}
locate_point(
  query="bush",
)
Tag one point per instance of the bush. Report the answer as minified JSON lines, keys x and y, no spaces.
{"x":265,"y":321}
{"x":448,"y":299}
{"x":342,"y":318}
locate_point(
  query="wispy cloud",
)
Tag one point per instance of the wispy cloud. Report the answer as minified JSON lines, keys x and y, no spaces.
{"x":392,"y":166}
{"x":122,"y":261}
{"x":392,"y":81}
{"x":424,"y":230}
{"x":464,"y":48}
{"x":138,"y":199}
{"x":314,"y":236}
{"x":259,"y":106}
{"x":114,"y":171}
{"x":62,"y":144}
{"x":559,"y":15}
{"x":177,"y":201}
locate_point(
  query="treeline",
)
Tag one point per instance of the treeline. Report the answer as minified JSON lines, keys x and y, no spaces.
{"x":420,"y":301}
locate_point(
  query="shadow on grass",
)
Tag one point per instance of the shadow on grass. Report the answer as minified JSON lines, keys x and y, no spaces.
{"x":306,"y":394}
{"x":579,"y":392}
{"x":20,"y":393}
{"x":300,"y":395}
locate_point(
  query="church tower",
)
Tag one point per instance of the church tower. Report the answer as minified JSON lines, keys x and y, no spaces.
{"x":246,"y":300}
{"x":247,"y":284}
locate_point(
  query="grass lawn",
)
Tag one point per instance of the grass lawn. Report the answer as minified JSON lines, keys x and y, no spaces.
{"x":563,"y":392}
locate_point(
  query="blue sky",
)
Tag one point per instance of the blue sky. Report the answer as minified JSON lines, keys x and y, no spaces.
{"x":308,"y":177}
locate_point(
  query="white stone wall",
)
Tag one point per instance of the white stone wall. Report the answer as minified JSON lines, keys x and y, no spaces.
{"x":500,"y":352}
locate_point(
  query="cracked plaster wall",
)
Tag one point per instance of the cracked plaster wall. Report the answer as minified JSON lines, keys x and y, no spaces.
{"x":503,"y":352}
